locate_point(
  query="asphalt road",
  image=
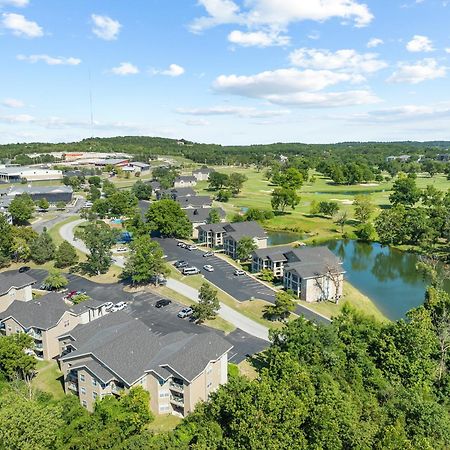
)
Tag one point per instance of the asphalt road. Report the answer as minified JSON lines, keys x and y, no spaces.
{"x":242,"y":288}
{"x":141,"y":305}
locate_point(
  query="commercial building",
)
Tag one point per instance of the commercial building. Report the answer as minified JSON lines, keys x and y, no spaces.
{"x":115,"y":162}
{"x":313,"y":273}
{"x":46,"y":318}
{"x":228,"y":235}
{"x":16,"y":174}
{"x":202,"y":174}
{"x":15,"y":286}
{"x":117,"y":352}
{"x":53,"y":194}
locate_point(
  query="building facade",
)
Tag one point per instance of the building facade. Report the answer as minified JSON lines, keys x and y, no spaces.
{"x":15,"y":286}
{"x":185,"y":181}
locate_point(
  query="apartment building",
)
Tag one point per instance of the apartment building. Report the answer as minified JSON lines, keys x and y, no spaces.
{"x":312,"y":273}
{"x":15,"y":286}
{"x":202,"y":174}
{"x":194,"y":201}
{"x":174,"y":193}
{"x":185,"y":181}
{"x":46,"y":318}
{"x":200,"y":216}
{"x":114,"y":354}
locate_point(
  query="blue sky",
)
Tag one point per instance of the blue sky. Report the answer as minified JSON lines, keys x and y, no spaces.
{"x":225,"y":71}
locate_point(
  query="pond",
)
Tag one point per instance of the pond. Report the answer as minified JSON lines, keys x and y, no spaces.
{"x":386,"y":275}
{"x":282,"y":237}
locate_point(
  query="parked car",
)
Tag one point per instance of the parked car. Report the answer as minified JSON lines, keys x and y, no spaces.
{"x":70,"y":295}
{"x":162,"y":302}
{"x":239,"y":272}
{"x":190,"y":271}
{"x":181,"y":244}
{"x":121,"y":249}
{"x":45,"y":287}
{"x":208,"y":268}
{"x":185,"y":312}
{"x":24,"y":269}
{"x":88,"y":205}
{"x":191,"y":247}
{"x":158,"y":280}
{"x":207,"y":254}
{"x":180,"y":264}
{"x":118,"y":306}
{"x":109,"y":305}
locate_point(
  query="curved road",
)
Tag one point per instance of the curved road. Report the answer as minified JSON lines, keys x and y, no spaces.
{"x":229,"y":314}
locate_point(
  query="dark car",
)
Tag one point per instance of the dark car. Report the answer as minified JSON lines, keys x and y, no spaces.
{"x":181,"y":264}
{"x":162,"y":302}
{"x":24,"y":269}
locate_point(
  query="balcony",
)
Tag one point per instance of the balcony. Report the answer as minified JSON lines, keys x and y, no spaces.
{"x":177,"y":400}
{"x":176,"y":387}
{"x":35,"y":335}
{"x":72,"y":386}
{"x":38,"y":346}
{"x":116,"y":389}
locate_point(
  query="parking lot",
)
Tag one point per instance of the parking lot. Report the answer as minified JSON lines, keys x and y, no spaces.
{"x":141,"y":305}
{"x":241,"y":288}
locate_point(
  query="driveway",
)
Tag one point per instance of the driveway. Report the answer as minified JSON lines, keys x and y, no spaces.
{"x":141,"y":305}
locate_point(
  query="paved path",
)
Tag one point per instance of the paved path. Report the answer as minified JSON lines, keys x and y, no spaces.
{"x":229,"y":314}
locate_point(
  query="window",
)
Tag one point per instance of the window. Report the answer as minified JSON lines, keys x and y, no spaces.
{"x":81,"y":377}
{"x":209,"y":370}
{"x":17,"y":330}
{"x":66,"y":323}
{"x":83,"y":391}
{"x":84,"y":403}
{"x":164,"y":408}
{"x":9,"y":328}
{"x":209,"y":385}
{"x":163,"y":394}
{"x":94,"y":382}
{"x":94,"y":395}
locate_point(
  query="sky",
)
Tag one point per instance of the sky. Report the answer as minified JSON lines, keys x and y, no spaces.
{"x":225,"y":71}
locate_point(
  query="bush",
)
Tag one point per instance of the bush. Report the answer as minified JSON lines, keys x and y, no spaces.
{"x":233,"y":370}
{"x":366,"y":232}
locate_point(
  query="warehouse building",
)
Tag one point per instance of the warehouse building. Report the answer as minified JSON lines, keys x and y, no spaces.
{"x":15,"y":174}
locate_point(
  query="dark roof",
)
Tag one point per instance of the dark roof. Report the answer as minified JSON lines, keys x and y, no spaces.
{"x":16,"y":280}
{"x":93,"y":366}
{"x":17,"y":190}
{"x":204,"y":170}
{"x":238,"y":230}
{"x":182,"y":192}
{"x":127,"y":348}
{"x":213,"y":227}
{"x":45,"y":312}
{"x":185,"y":178}
{"x":194,"y":200}
{"x":199,"y":215}
{"x":271,"y":252}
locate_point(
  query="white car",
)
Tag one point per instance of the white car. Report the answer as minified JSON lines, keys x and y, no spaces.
{"x":121,"y":249}
{"x":185,"y":312}
{"x":239,"y":272}
{"x":109,"y":305}
{"x":118,"y":306}
{"x":88,"y":205}
{"x":208,"y":268}
{"x":191,"y":247}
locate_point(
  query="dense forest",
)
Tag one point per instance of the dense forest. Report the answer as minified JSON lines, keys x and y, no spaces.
{"x":144,"y":147}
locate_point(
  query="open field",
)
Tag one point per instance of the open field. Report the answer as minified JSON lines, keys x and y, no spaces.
{"x":48,"y":379}
{"x":164,"y":423}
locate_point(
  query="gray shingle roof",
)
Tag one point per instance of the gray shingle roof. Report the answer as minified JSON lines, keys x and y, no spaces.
{"x":194,"y":200}
{"x":14,"y":279}
{"x":17,"y":190}
{"x":186,"y":178}
{"x":270,"y":252}
{"x":213,"y":227}
{"x":128,"y":348}
{"x":199,"y":215}
{"x":238,"y":230}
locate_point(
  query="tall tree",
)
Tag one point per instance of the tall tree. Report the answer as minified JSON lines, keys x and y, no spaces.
{"x":363,"y":208}
{"x":14,"y":362}
{"x":55,"y":279}
{"x":282,"y":197}
{"x":208,"y":304}
{"x":235,"y":182}
{"x":217,"y":180}
{"x":405,"y":191}
{"x":213,"y":216}
{"x":245,"y":247}
{"x":6,"y":241}
{"x":66,"y":255}
{"x":43,"y":248}
{"x":167,"y":217}
{"x":143,"y":191}
{"x":283,"y":306}
{"x":21,"y":209}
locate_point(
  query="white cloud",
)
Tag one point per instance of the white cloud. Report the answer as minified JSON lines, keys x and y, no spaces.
{"x":105,"y":27}
{"x":406,"y":113}
{"x":196,"y":122}
{"x":174,"y":70}
{"x":258,"y":39}
{"x":342,"y":60}
{"x":50,"y":60}
{"x":15,"y":3}
{"x":13,"y":103}
{"x":278,"y":14}
{"x":447,"y":50}
{"x":19,"y":118}
{"x":420,"y":44}
{"x":413,"y":73}
{"x":20,"y":26}
{"x":228,"y":110}
{"x":125,"y":68}
{"x":375,"y":42}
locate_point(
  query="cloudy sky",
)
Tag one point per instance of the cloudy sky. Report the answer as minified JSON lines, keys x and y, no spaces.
{"x":225,"y":71}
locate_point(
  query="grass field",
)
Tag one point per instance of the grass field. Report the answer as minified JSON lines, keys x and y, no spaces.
{"x":164,"y":423}
{"x":48,"y":379}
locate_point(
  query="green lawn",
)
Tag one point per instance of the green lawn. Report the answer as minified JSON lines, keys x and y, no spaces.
{"x":49,"y":379}
{"x":164,"y":423}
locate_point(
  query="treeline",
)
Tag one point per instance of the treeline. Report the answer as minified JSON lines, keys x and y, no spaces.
{"x":372,"y":153}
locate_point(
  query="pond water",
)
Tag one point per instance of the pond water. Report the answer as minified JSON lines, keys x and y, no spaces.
{"x":386,"y":275}
{"x":282,"y":237}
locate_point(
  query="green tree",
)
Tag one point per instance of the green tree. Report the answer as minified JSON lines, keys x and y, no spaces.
{"x":266,"y":275}
{"x":290,"y":178}
{"x":245,"y":246}
{"x":94,"y":193}
{"x":122,"y":203}
{"x":146,"y":261}
{"x":100,"y":208}
{"x":142,"y":191}
{"x":79,"y":298}
{"x":167,"y":217}
{"x":208,"y":304}
{"x":14,"y":362}
{"x":223,"y":196}
{"x":364,"y":208}
{"x":341,"y":220}
{"x":6,"y":241}
{"x":60,"y":206}
{"x":99,"y":239}
{"x":95,"y":181}
{"x":43,"y":204}
{"x":66,"y":255}
{"x":217,"y":181}
{"x":328,"y":208}
{"x":21,"y":209}
{"x":108,"y":188}
{"x":235,"y":183}
{"x":282,"y":197}
{"x":43,"y":248}
{"x":283,"y":306}
{"x":405,"y":191}
{"x":213,"y":216}
{"x":55,"y":279}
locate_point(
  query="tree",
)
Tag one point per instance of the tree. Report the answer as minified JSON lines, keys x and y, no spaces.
{"x":55,"y":280}
{"x":283,"y":306}
{"x":282,"y":197}
{"x":142,"y":191}
{"x":21,"y":209}
{"x":266,"y":275}
{"x":235,"y":183}
{"x":213,"y":216}
{"x":43,"y":204}
{"x":341,"y":220}
{"x":122,"y":203}
{"x":108,"y":188}
{"x":94,"y":193}
{"x":208,"y":304}
{"x":290,"y":178}
{"x":223,"y":196}
{"x":363,"y":208}
{"x":101,"y":208}
{"x":431,"y":167}
{"x":328,"y":208}
{"x":14,"y":362}
{"x":43,"y":248}
{"x":95,"y":181}
{"x":60,"y":206}
{"x":6,"y":241}
{"x":217,"y":180}
{"x":146,"y":261}
{"x":167,"y":217}
{"x":245,"y":247}
{"x":79,"y":298}
{"x":405,"y":191}
{"x":366,"y":232}
{"x":66,"y":255}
